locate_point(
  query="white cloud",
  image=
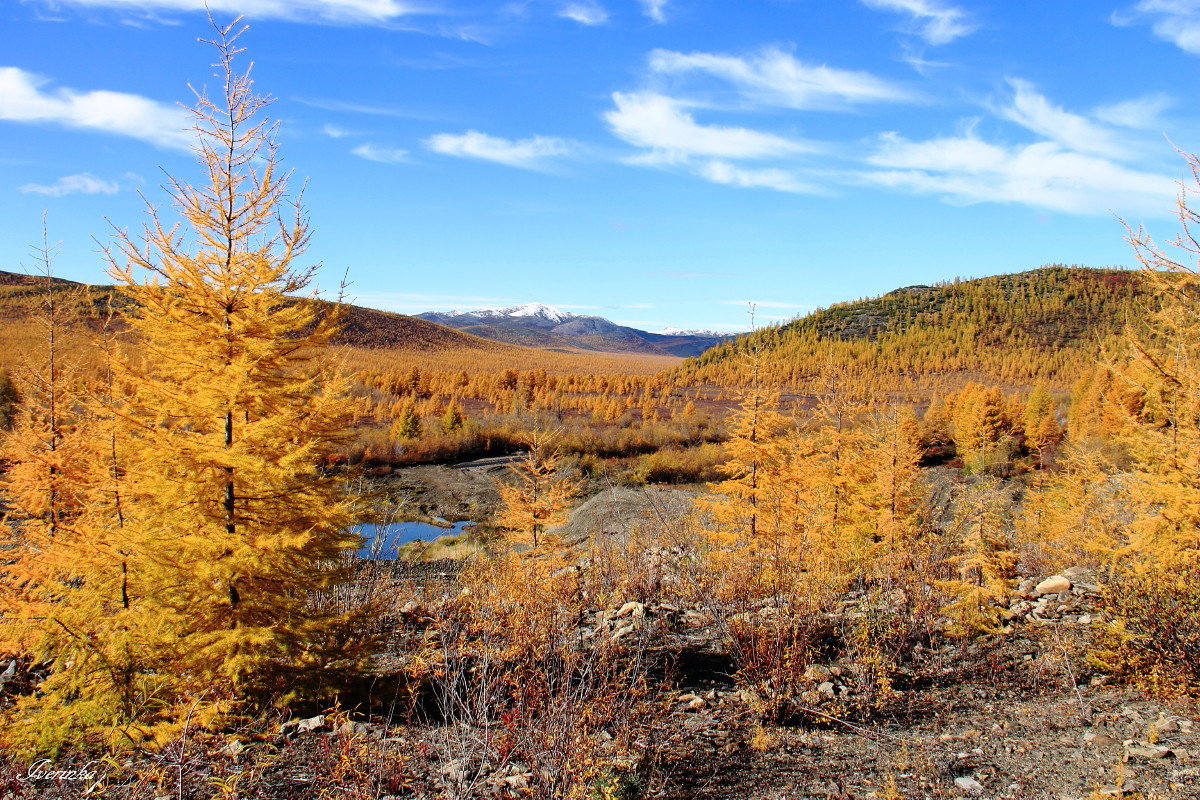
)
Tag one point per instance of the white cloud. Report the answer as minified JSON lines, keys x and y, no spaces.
{"x":660,"y":124}
{"x":1175,"y":21}
{"x":531,"y":153}
{"x":585,"y":13}
{"x":1140,"y":112}
{"x":340,"y":12}
{"x":83,"y":183}
{"x":334,"y":131}
{"x":1033,"y":111}
{"x":655,"y":10}
{"x":383,"y":155}
{"x":937,"y":21}
{"x":23,"y":98}
{"x":969,"y":170}
{"x":773,"y":77}
{"x":725,"y":173}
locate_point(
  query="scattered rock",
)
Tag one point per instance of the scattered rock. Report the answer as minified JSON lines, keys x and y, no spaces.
{"x":817,"y":673}
{"x":1144,"y":751}
{"x":633,"y":608}
{"x":311,"y":724}
{"x":969,"y":786}
{"x":1055,"y":584}
{"x":233,"y":749}
{"x":455,"y":770}
{"x":349,"y":728}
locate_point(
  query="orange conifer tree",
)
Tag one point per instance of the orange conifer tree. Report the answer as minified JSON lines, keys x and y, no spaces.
{"x":230,"y":410}
{"x":538,"y":496}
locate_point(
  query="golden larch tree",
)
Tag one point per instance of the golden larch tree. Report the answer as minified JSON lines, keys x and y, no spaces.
{"x":538,"y":495}
{"x":231,"y":408}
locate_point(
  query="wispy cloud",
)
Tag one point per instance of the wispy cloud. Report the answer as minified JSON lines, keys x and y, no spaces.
{"x":382,"y":155}
{"x":968,"y":170}
{"x":936,"y":22}
{"x":660,"y":124}
{"x":25,"y":98}
{"x":781,"y":180}
{"x":334,"y":131}
{"x":775,"y":78}
{"x":536,"y":152}
{"x":655,"y":10}
{"x":82,"y":183}
{"x":336,"y":12}
{"x":1175,"y":21}
{"x":326,"y":104}
{"x":1031,"y":110}
{"x":584,"y":12}
{"x":1140,"y":112}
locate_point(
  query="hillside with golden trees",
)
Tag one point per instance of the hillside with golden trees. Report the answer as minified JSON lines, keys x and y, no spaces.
{"x":367,"y":336}
{"x":1042,"y":326}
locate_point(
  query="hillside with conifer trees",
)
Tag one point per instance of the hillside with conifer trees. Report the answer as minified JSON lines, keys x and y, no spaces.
{"x":1046,"y":325}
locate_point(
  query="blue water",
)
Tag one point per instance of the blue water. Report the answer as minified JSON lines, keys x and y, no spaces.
{"x":381,"y":541}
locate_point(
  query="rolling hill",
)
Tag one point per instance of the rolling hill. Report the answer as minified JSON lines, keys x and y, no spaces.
{"x":1044,"y":325}
{"x":368,"y":337}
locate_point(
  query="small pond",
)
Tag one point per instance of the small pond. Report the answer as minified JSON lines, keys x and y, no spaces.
{"x":381,"y":541}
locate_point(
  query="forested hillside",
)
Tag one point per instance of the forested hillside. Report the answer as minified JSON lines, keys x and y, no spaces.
{"x":1046,"y":325}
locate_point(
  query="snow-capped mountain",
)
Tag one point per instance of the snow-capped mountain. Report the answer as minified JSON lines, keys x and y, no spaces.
{"x":698,"y":332}
{"x":540,"y":325}
{"x":539,"y":312}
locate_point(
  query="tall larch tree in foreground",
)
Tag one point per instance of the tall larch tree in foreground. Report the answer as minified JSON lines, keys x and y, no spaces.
{"x":232,"y":406}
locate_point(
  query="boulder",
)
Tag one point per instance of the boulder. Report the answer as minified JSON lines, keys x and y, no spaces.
{"x":969,"y":786}
{"x":1052,"y":585}
{"x":632,"y":608}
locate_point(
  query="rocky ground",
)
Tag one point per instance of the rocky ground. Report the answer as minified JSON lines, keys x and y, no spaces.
{"x":1019,"y":715}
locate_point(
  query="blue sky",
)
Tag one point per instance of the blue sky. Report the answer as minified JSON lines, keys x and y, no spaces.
{"x":658,"y":162}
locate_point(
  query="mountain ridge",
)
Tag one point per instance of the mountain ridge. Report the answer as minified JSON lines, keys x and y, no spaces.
{"x":541,"y":325}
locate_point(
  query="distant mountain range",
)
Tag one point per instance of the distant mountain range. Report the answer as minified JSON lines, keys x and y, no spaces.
{"x":538,"y":325}
{"x":511,"y":331}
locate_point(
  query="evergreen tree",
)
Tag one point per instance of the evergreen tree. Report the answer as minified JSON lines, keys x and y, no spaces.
{"x":538,"y":495}
{"x":453,"y":419}
{"x":1042,"y":431}
{"x":408,"y":423}
{"x":231,"y":408}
